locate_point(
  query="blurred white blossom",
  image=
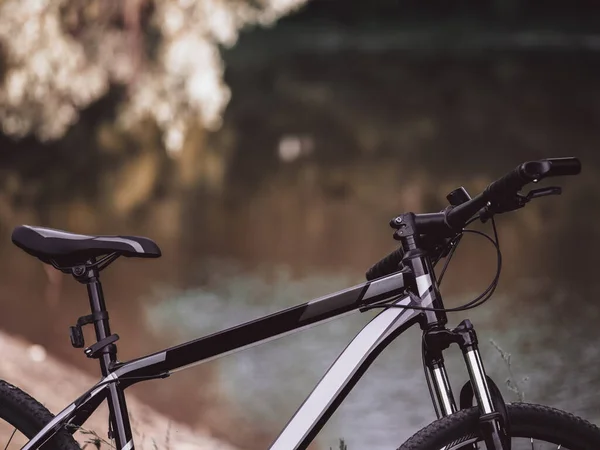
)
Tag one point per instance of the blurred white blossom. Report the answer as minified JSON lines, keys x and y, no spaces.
{"x":58,"y":62}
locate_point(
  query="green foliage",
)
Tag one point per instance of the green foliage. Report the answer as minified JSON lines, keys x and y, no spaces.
{"x":93,"y":440}
{"x":342,"y":446}
{"x":511,"y":383}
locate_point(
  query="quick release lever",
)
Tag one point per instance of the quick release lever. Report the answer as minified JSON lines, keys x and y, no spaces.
{"x":95,"y":350}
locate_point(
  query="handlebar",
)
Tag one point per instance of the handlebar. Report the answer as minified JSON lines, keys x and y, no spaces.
{"x":500,"y":192}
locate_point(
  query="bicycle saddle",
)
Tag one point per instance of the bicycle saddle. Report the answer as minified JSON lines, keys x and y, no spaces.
{"x":50,"y":245}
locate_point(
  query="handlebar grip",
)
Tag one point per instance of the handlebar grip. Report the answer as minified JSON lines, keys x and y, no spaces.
{"x":563,"y":166}
{"x":513,"y":181}
{"x":510,"y":184}
{"x":386,"y":266}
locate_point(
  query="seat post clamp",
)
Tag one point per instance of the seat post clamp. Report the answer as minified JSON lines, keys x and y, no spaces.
{"x":103,"y":346}
{"x":78,"y":271}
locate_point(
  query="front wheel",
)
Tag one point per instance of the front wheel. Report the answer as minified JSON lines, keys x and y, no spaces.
{"x":532,"y":427}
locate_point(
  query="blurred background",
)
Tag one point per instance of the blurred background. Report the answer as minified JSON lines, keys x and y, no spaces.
{"x":265,"y":144}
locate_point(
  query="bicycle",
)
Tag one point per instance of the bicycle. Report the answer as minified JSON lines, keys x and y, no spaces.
{"x":403,"y":284}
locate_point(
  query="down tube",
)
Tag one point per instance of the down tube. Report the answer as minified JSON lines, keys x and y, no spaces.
{"x":343,"y":375}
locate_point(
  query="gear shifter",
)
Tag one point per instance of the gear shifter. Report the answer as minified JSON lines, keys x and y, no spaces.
{"x":518,"y":202}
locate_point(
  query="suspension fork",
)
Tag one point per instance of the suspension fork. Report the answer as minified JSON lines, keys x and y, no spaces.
{"x":435,"y":341}
{"x":420,"y":265}
{"x":442,"y":395}
{"x":438,"y":338}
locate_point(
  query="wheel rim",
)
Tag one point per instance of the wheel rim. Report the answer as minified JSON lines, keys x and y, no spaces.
{"x":517,"y":443}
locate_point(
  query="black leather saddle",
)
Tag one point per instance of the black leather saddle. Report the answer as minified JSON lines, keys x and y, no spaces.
{"x":69,"y":249}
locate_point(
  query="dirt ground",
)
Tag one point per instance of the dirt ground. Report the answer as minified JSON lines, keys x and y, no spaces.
{"x":56,"y":384}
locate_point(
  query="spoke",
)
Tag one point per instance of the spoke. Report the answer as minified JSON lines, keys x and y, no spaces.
{"x":11,"y":436}
{"x":464,"y":444}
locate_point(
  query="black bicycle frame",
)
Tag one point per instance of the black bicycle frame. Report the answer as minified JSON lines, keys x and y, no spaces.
{"x":414,"y":286}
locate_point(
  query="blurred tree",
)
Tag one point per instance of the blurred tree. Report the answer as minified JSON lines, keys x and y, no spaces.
{"x":59,"y":56}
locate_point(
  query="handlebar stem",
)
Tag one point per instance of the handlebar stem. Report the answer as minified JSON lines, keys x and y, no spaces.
{"x":419,"y":262}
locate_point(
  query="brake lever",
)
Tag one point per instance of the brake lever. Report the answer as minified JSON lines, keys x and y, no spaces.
{"x":487,"y":212}
{"x":551,"y":190}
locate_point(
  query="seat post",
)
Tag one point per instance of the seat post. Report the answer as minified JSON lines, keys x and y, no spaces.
{"x":119,"y":426}
{"x":91,"y":278}
{"x":102,"y":327}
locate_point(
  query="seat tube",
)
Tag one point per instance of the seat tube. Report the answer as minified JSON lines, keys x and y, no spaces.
{"x":120,"y":428}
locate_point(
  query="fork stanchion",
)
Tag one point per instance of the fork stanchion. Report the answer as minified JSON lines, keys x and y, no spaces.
{"x":442,"y":388}
{"x":490,"y":421}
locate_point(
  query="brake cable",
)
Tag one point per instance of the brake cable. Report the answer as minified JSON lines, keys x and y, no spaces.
{"x":454,"y":243}
{"x":478,"y":301}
